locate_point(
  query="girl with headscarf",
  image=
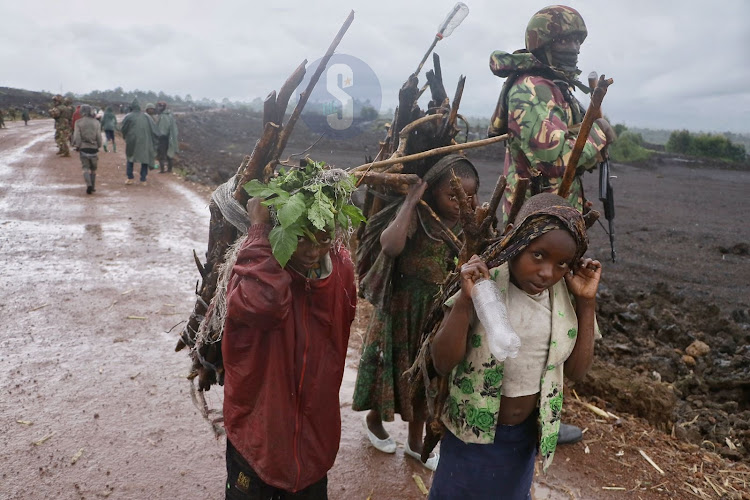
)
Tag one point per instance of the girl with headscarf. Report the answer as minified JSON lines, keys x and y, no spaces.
{"x":414,"y":256}
{"x":499,"y":412}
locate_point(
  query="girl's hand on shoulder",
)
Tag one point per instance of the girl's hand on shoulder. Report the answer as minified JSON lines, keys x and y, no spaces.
{"x":583,"y":279}
{"x":416,"y":191}
{"x":471,"y":272}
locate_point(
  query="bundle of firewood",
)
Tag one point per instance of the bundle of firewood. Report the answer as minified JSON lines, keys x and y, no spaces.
{"x":202,"y":333}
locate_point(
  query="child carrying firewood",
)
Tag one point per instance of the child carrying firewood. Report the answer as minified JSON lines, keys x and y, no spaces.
{"x":495,"y":409}
{"x":417,"y":251}
{"x":290,"y":301}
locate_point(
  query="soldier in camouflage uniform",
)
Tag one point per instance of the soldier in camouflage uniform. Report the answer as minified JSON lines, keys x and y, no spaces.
{"x":538,"y":110}
{"x":62,"y":114}
{"x":67,"y":123}
{"x":55,"y":112}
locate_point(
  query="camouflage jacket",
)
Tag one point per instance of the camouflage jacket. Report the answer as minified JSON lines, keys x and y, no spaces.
{"x":542,"y":112}
{"x":55,"y":112}
{"x":62,"y":115}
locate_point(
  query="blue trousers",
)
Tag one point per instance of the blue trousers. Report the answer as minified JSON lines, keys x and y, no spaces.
{"x":503,"y":470}
{"x":144,"y":170}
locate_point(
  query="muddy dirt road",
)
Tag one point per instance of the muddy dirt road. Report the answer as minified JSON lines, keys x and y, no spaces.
{"x":96,"y":404}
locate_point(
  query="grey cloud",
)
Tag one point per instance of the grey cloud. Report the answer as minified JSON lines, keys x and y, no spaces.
{"x":671,"y":60}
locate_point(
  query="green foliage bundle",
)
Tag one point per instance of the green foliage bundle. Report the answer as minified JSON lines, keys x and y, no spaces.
{"x":705,"y":145}
{"x":306,"y":200}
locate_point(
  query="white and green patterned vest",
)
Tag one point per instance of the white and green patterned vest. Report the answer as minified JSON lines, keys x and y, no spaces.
{"x":476,"y":382}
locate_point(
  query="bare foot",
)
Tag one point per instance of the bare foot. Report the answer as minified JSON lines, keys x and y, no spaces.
{"x":376,"y":425}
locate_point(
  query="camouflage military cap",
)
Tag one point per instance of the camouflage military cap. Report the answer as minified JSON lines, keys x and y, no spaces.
{"x":57,"y":98}
{"x":553,"y":22}
{"x":67,"y":100}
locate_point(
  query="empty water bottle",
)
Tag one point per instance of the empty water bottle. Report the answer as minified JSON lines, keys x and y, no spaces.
{"x":493,"y":314}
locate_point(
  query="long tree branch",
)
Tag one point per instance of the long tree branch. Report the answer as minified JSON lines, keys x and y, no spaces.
{"x":431,"y":152}
{"x":289,"y":127}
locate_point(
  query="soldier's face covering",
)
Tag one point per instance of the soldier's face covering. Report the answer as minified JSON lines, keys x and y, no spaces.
{"x":564,"y":52}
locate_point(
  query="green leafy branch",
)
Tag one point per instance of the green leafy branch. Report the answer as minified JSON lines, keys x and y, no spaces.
{"x":306,"y":200}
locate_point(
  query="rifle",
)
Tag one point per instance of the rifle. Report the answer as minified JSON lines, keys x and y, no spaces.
{"x":607,"y":197}
{"x":606,"y":193}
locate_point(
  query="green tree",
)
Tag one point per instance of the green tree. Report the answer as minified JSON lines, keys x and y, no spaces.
{"x":680,"y":142}
{"x":620,"y":129}
{"x":629,"y":148}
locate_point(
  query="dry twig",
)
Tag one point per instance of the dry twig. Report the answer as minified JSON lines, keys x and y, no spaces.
{"x":648,"y":459}
{"x":42,"y":440}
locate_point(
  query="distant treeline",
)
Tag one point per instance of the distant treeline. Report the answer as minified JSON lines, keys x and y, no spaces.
{"x":630,"y":146}
{"x":706,"y":146}
{"x":121,"y":96}
{"x":661,"y":136}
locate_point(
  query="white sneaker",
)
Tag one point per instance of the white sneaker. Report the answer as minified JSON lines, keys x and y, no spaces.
{"x":432,"y":462}
{"x":387,"y":445}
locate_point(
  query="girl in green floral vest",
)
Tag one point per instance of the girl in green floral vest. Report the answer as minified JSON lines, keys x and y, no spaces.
{"x":499,"y":413}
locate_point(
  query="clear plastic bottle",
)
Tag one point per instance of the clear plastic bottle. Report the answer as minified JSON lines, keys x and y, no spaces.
{"x":493,"y":314}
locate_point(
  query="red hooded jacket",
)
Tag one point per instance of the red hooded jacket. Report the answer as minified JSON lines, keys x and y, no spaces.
{"x":284,"y":348}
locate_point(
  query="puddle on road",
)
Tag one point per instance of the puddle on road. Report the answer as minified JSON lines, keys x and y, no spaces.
{"x":197,"y":204}
{"x":12,"y":156}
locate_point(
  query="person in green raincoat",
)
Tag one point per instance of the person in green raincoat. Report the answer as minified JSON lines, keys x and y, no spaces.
{"x":168,"y":145}
{"x":141,"y":135}
{"x":109,"y":125}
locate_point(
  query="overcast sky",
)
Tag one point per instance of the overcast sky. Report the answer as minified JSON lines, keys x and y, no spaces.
{"x":676,"y":64}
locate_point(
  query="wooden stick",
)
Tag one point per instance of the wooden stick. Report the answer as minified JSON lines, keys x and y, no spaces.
{"x":289,"y":126}
{"x":416,"y":123}
{"x":403,"y":135}
{"x":383,"y":179}
{"x":494,"y":203}
{"x":454,"y":240}
{"x":592,"y":113}
{"x":519,"y":196}
{"x":466,"y":214}
{"x":432,"y":152}
{"x":256,"y":162}
{"x":454,"y":106}
{"x":285,"y":92}
{"x":269,"y":108}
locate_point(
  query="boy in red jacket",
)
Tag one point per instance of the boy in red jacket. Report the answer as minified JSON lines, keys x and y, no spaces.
{"x":284,"y":347}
